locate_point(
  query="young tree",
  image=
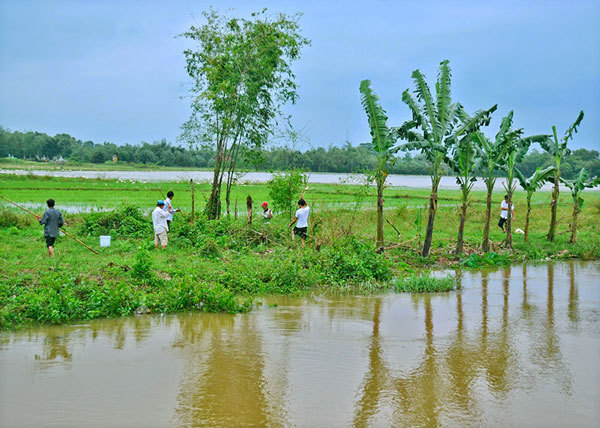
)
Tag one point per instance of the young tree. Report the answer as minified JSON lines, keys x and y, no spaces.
{"x":441,"y":123}
{"x":462,"y":160}
{"x":516,"y":149}
{"x":383,"y":140}
{"x":490,"y":154}
{"x":530,"y":185}
{"x":577,"y":186}
{"x":241,"y":71}
{"x":285,"y":188}
{"x":559,"y":150}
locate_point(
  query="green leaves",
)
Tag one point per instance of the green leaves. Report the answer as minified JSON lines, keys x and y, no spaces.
{"x":380,"y":133}
{"x":537,"y":180}
{"x":579,"y":184}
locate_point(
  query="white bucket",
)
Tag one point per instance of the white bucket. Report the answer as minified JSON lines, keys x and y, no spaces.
{"x":105,"y":240}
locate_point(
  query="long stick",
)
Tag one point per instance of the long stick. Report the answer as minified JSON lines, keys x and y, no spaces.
{"x":63,"y":230}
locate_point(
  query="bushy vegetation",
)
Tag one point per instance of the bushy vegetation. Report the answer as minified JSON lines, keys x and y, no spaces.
{"x":485,"y":259}
{"x":127,"y":221}
{"x":11,"y":218}
{"x":59,"y":297}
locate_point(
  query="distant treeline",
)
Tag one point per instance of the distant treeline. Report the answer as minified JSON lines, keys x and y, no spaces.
{"x":348,"y":158}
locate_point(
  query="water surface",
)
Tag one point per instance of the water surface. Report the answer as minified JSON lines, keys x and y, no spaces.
{"x":517,"y":346}
{"x":409,"y":181}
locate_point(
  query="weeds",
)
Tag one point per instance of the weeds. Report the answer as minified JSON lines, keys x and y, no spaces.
{"x":425,"y":284}
{"x":486,"y":259}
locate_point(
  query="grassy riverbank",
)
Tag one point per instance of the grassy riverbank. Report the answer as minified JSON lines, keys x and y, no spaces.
{"x":219,"y":266}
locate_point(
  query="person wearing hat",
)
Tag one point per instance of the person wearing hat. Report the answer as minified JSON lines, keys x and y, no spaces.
{"x":159,"y":221}
{"x":267,"y":213}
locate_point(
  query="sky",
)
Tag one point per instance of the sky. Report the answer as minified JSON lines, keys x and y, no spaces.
{"x":115,"y":70}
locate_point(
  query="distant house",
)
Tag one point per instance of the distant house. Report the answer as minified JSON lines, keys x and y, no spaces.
{"x":115,"y":158}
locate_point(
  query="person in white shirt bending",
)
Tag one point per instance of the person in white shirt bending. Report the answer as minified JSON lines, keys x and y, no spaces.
{"x":504,"y":212}
{"x":169,"y":208}
{"x":301,"y":218}
{"x":159,"y":221}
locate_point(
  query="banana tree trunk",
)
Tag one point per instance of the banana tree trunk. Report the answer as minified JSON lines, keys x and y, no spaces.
{"x":554,"y":206}
{"x":526,"y":238}
{"x":486,"y":227}
{"x":432,"y":210}
{"x":574,"y":224}
{"x":461,"y":228}
{"x":509,"y":223}
{"x":379,"y":216}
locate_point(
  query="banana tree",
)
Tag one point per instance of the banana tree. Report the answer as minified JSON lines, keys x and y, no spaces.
{"x":383,"y":140}
{"x":577,"y":186}
{"x":491,"y":155}
{"x":516,"y":149}
{"x":559,"y":150}
{"x":530,"y":185}
{"x":463,"y":160}
{"x":441,"y":123}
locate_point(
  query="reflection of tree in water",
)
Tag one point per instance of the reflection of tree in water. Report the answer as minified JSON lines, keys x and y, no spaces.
{"x":546,"y":349}
{"x":223,"y":381}
{"x":449,"y":368}
{"x":573,"y":295}
{"x":375,"y":378}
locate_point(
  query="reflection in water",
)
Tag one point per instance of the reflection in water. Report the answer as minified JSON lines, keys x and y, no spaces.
{"x":515,"y":345}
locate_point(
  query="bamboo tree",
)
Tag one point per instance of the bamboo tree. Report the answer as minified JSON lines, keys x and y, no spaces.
{"x":531,"y":185}
{"x":559,"y":150}
{"x":441,"y":123}
{"x":577,"y":186}
{"x":383,"y":140}
{"x":242,"y":76}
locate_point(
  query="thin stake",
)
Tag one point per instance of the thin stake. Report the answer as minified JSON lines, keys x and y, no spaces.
{"x":37,"y":216}
{"x":192,"y":191}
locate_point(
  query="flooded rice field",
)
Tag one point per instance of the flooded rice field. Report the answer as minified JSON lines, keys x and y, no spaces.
{"x":517,"y":346}
{"x":409,"y":181}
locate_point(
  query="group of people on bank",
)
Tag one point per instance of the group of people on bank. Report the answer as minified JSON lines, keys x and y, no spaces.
{"x":162,"y":216}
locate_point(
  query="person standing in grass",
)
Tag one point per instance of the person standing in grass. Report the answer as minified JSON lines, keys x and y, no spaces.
{"x":169,"y":209}
{"x":52,"y":220}
{"x":159,"y":221}
{"x":504,"y":212}
{"x":301,"y":219}
{"x":267,"y":213}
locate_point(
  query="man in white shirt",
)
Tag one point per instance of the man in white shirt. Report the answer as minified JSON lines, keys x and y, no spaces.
{"x":504,"y":212}
{"x":169,"y":209}
{"x":159,"y":221}
{"x":301,"y":217}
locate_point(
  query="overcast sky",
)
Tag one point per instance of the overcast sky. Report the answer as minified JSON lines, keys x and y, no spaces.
{"x":114,"y":70}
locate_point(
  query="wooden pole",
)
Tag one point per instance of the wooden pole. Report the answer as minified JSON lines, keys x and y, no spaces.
{"x":235,"y":213}
{"x":192,"y":190}
{"x":249,"y":209}
{"x":63,"y":230}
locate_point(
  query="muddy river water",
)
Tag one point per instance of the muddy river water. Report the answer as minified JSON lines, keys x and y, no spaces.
{"x":517,"y":346}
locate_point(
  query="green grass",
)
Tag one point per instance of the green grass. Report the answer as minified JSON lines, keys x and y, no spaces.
{"x":425,"y":284}
{"x":220,"y":265}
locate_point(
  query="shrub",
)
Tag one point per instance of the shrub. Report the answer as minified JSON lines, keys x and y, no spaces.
{"x":10,"y":218}
{"x":124,"y":222}
{"x":486,"y":259}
